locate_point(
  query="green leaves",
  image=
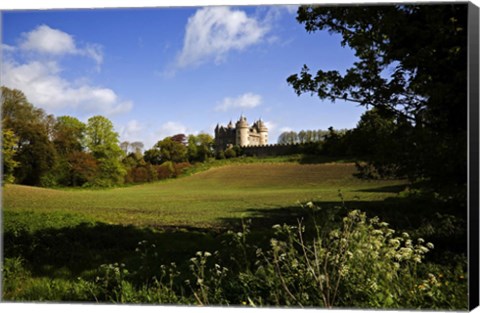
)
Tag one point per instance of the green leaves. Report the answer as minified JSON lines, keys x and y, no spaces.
{"x":412,"y":66}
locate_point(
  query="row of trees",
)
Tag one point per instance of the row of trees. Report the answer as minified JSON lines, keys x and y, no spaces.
{"x":43,"y":150}
{"x":305,"y":136}
{"x":39,"y":149}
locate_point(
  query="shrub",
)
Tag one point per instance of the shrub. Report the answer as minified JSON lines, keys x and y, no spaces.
{"x":230,"y":153}
{"x":179,"y":168}
{"x":165,"y":170}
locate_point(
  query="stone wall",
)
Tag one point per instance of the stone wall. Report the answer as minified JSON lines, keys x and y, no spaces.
{"x":272,"y":150}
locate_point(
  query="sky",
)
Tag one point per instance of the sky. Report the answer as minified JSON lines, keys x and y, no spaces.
{"x":156,"y":72}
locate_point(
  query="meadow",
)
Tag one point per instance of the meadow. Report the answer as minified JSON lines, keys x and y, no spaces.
{"x":60,"y":244}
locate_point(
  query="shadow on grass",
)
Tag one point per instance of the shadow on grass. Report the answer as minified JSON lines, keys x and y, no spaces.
{"x":79,"y":250}
{"x":392,"y":189}
{"x":70,"y":251}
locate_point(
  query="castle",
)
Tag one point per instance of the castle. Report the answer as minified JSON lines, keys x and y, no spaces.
{"x":241,"y":135}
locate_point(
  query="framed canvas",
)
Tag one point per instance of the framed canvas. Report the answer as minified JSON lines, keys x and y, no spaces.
{"x":240,"y":156}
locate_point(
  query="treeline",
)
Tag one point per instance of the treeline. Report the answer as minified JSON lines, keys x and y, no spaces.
{"x":43,"y":150}
{"x":305,"y":136}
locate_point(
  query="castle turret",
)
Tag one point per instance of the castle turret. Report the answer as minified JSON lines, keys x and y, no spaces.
{"x":263,"y":131}
{"x":242,"y":132}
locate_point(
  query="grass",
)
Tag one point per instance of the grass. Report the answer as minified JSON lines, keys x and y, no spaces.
{"x":203,"y":200}
{"x":54,"y":236}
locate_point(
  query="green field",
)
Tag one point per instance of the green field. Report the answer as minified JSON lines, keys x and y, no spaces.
{"x":206,"y":199}
{"x":65,"y":244}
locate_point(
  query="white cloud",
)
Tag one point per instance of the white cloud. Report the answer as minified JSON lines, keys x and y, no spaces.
{"x":8,"y":48}
{"x":246,"y":101}
{"x":171,"y":128}
{"x":48,"y":41}
{"x":132,"y":131}
{"x":214,"y":31}
{"x":44,"y":87}
{"x":270,"y":125}
{"x":285,"y":129}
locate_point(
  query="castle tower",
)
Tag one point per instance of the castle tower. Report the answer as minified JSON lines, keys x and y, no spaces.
{"x":263,"y":131}
{"x":242,"y":132}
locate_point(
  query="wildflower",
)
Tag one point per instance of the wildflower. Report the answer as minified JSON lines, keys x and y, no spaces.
{"x":430,"y":245}
{"x":406,"y":235}
{"x":394,"y":242}
{"x":420,"y":240}
{"x":423,"y":249}
{"x":207,"y":254}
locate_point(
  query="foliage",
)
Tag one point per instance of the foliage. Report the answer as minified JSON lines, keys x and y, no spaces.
{"x":102,"y":142}
{"x":35,"y":153}
{"x":9,"y":143}
{"x":172,"y":150}
{"x":200,"y":147}
{"x":69,"y":135}
{"x":230,"y":153}
{"x":412,"y":67}
{"x":360,"y":263}
{"x":304,"y":136}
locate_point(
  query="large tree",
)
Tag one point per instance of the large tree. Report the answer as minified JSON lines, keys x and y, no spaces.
{"x":34,"y":152}
{"x":68,"y":136}
{"x":411,"y":65}
{"x":102,"y":141}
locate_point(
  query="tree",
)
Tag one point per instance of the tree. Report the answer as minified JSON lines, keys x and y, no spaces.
{"x":171,"y":150}
{"x":180,"y":138}
{"x":35,"y":153}
{"x":124,"y":145}
{"x":153,"y":156}
{"x":192,"y":148}
{"x":200,"y":147}
{"x":83,"y":168}
{"x":412,"y":65}
{"x":9,"y":144}
{"x":102,"y":142}
{"x":137,"y":147}
{"x":205,"y":146}
{"x":288,"y":137}
{"x":68,"y":136}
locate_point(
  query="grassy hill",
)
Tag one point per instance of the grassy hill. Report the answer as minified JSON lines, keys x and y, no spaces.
{"x":206,"y":199}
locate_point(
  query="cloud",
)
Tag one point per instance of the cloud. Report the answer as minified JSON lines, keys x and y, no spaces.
{"x":44,"y":87}
{"x":286,"y":129}
{"x":171,"y":128}
{"x":214,"y":31}
{"x":270,"y":125}
{"x":132,"y":131}
{"x":48,"y":41}
{"x":245,"y":101}
{"x":8,"y":48}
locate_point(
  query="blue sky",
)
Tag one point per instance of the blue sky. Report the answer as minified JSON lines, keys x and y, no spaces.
{"x":158,"y":72}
